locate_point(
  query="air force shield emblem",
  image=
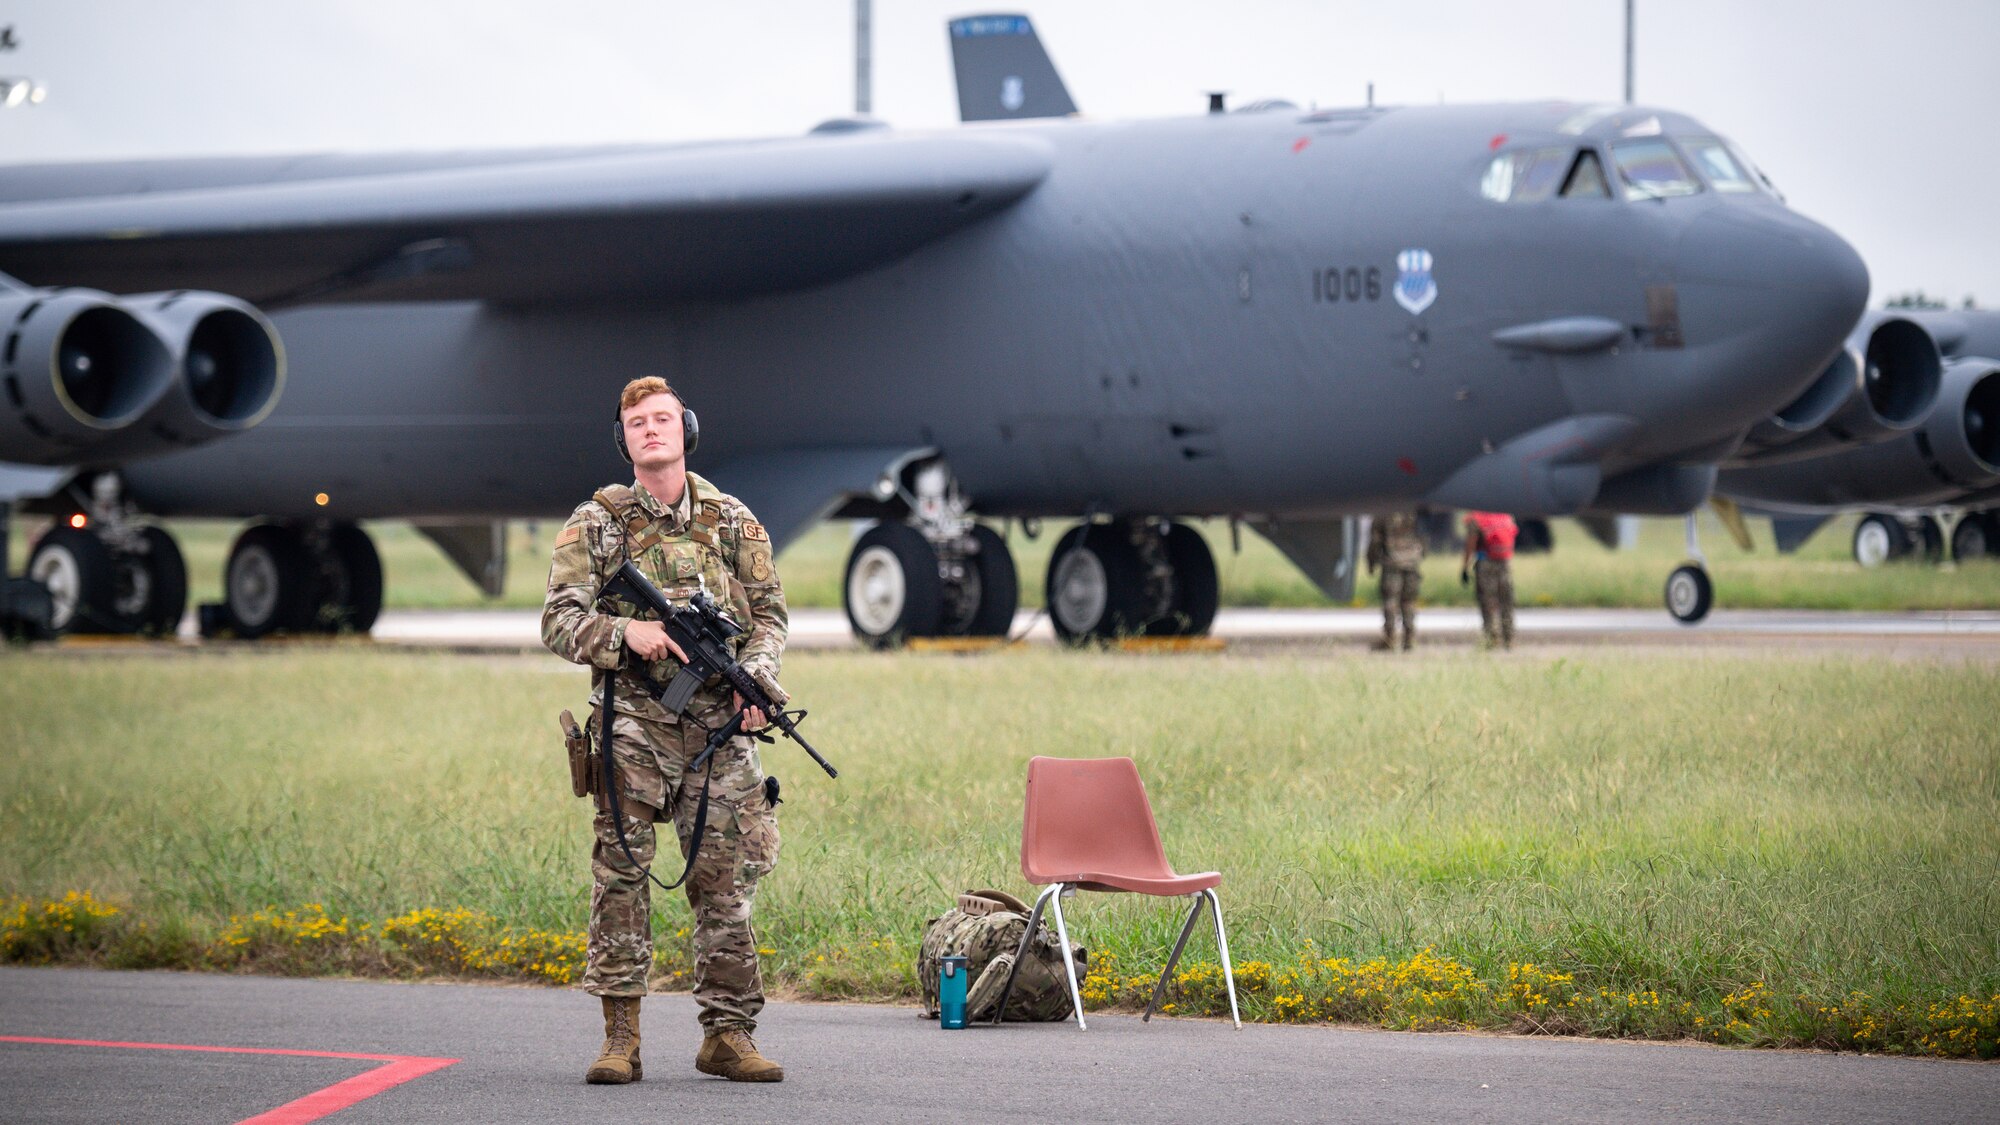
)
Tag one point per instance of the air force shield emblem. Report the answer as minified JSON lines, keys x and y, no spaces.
{"x":1415,"y":288}
{"x":1012,"y":94}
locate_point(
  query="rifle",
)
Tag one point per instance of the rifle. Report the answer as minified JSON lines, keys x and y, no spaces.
{"x":703,"y":631}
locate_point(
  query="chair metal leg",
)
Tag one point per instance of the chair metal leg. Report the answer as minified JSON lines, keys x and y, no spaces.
{"x":1069,"y":963}
{"x":1020,"y":954}
{"x":1222,"y":943}
{"x":1166,"y":974}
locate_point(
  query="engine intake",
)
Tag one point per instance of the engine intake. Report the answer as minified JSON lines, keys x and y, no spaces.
{"x":1884,"y":383}
{"x":1954,"y":452}
{"x":76,"y":370}
{"x":229,"y":369}
{"x":92,"y":379}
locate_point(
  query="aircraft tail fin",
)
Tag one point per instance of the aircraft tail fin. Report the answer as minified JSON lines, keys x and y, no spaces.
{"x":1003,"y":72}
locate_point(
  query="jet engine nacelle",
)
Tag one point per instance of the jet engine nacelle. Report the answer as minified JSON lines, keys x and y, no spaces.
{"x":229,"y":365}
{"x":87,"y":378}
{"x":1956,"y":449}
{"x":76,"y":369}
{"x":1883,"y":383}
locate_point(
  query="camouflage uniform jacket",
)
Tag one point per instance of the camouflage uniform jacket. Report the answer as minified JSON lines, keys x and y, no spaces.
{"x":1394,"y":541}
{"x":708,"y":541}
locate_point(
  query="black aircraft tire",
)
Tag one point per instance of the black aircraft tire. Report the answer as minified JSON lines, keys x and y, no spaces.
{"x":1879,"y":539}
{"x":891,"y":588}
{"x":167,"y":593}
{"x":82,"y":580}
{"x":1973,"y":538}
{"x":1095,"y":585}
{"x":999,"y":585}
{"x":268,"y":584}
{"x":352,"y":575}
{"x":1689,"y":594}
{"x":1197,"y":588}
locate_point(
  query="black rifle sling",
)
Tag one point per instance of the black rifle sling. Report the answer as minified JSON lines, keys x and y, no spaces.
{"x":617,"y":806}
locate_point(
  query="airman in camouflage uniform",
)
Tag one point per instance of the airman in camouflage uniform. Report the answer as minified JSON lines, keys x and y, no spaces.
{"x":1397,"y":548}
{"x":1489,"y":548}
{"x":702,"y":539}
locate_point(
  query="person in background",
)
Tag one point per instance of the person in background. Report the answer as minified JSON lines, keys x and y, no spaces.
{"x":1396,"y":547}
{"x":1489,"y":554}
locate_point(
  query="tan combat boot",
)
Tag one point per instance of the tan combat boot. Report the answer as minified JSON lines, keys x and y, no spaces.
{"x":732,"y":1055}
{"x":618,"y":1063}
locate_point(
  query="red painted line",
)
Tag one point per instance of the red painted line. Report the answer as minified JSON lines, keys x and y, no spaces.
{"x":312,"y":1107}
{"x":340,"y":1095}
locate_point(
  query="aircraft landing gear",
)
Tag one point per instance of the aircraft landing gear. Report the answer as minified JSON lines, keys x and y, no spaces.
{"x":941,"y":575}
{"x":1881,"y":537}
{"x":322,"y":578}
{"x":1690,"y":594}
{"x":1977,"y":536}
{"x":1131,"y":578}
{"x":104,"y":572}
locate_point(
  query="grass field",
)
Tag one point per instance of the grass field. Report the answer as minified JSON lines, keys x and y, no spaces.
{"x":1822,"y":575}
{"x":1771,"y":849}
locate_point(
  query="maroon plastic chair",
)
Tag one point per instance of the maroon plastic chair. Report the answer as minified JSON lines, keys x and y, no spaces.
{"x":1089,"y":827}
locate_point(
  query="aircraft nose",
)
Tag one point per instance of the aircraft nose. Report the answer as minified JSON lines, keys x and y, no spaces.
{"x":1793,"y":267}
{"x":1780,"y":293}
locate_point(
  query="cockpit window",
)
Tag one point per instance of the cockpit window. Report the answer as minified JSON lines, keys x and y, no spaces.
{"x":1525,"y":176}
{"x":1652,"y":170}
{"x":1586,"y":178}
{"x":1756,"y":173}
{"x":1718,"y":166}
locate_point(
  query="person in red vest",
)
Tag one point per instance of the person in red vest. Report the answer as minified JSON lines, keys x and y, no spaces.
{"x":1489,"y":539}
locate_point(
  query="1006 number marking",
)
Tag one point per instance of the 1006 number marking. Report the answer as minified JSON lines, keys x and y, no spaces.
{"x":1335,"y":285}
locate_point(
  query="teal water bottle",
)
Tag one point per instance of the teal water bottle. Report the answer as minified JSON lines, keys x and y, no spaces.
{"x":951,"y":992}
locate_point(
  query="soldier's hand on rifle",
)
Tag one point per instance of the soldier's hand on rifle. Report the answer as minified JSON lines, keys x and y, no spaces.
{"x":649,"y":641}
{"x":753,"y":717}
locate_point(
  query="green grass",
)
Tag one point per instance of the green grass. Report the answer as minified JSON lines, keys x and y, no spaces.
{"x":1815,"y":829}
{"x":1822,"y":575}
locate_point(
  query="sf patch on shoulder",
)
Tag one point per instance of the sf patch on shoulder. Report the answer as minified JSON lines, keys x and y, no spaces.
{"x":754,"y":530}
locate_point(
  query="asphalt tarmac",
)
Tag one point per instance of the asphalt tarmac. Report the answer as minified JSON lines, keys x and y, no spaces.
{"x":110,"y":1047}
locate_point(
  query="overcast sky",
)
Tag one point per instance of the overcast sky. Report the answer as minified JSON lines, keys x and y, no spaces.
{"x":1881,"y":120}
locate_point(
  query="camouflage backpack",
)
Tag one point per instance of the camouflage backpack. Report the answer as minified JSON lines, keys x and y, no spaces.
{"x":985,"y":928}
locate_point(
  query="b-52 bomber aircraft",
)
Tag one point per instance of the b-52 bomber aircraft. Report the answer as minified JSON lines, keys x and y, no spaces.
{"x":1283,"y":316}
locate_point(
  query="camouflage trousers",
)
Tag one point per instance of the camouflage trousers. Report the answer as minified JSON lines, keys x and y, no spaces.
{"x":1494,"y":581}
{"x":739,"y":846}
{"x":1400,"y":587}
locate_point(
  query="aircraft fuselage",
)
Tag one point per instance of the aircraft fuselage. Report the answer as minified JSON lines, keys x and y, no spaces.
{"x":1188,"y":316}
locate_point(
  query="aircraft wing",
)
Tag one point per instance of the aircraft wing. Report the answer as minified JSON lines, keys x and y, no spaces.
{"x":701,"y":221}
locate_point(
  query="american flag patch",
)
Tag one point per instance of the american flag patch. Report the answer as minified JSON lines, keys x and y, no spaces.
{"x":569,"y":535}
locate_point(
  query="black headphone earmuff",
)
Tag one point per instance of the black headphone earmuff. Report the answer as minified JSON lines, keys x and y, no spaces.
{"x":690,"y":432}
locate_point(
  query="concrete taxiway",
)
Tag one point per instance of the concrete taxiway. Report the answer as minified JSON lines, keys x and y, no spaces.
{"x":86,"y":1046}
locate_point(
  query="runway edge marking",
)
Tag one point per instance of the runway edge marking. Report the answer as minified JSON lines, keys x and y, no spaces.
{"x":320,"y":1103}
